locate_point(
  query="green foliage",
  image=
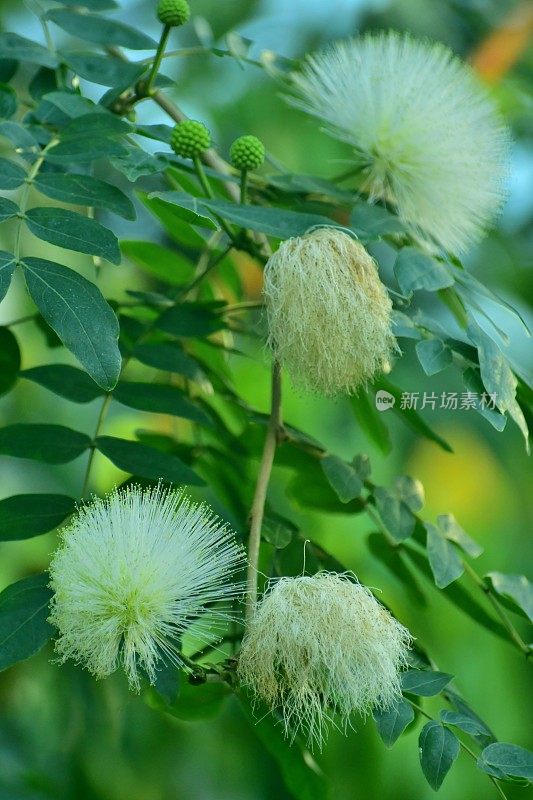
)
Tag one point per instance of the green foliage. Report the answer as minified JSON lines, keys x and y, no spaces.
{"x":439,"y":748}
{"x":194,"y":237}
{"x":392,"y":722}
{"x":23,"y":614}
{"x":26,"y":515}
{"x":75,"y":309}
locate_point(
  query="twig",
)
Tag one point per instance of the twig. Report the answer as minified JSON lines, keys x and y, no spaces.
{"x":513,"y":633}
{"x":99,"y":423}
{"x":258,"y":505}
{"x":157,"y":59}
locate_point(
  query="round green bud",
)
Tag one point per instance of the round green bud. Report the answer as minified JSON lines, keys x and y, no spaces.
{"x":173,"y":12}
{"x":247,"y":152}
{"x":190,"y":138}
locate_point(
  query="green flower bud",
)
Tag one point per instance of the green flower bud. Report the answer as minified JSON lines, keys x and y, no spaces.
{"x":247,"y":152}
{"x":173,"y":12}
{"x":190,"y":138}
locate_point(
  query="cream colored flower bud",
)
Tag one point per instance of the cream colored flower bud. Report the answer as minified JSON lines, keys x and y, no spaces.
{"x":320,"y":646}
{"x":329,"y":314}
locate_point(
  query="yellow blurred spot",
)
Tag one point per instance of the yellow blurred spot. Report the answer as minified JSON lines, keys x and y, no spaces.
{"x":470,"y":483}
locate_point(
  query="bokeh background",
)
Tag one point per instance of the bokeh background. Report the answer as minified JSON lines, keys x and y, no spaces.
{"x":64,"y":736}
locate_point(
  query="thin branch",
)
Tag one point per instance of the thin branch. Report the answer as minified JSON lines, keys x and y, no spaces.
{"x":157,"y":59}
{"x":261,"y":488}
{"x":99,"y":424}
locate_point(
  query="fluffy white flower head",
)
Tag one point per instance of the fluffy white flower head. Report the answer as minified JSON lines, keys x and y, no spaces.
{"x":319,"y":646}
{"x":423,"y":127}
{"x":132,"y":573}
{"x":329,"y":315}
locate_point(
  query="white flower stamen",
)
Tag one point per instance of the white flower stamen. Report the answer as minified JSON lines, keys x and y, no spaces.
{"x":423,"y":128}
{"x":133,"y":573}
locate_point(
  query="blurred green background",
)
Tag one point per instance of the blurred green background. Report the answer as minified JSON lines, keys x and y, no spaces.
{"x":64,"y":736}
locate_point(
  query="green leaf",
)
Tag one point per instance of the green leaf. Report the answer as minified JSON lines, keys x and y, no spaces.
{"x":433,"y":355}
{"x":473,"y":383}
{"x":279,"y":222}
{"x":516,"y":588}
{"x":72,"y":104}
{"x":425,"y":683}
{"x":371,"y":421}
{"x":53,"y":444}
{"x":73,"y":231}
{"x":20,"y":137}
{"x":134,"y":163}
{"x":439,"y":748}
{"x":278,"y":530}
{"x":170,"y":357}
{"x":485,"y":736}
{"x":415,"y":270}
{"x":195,"y":702}
{"x":24,"y":609}
{"x":83,"y":149}
{"x":179,"y":230}
{"x":98,"y":122}
{"x":342,"y":478}
{"x":94,"y":5}
{"x":509,"y":759}
{"x":168,"y":682}
{"x":411,"y":491}
{"x":301,"y":774}
{"x":469,"y":288}
{"x":459,"y":597}
{"x":104,"y":70}
{"x":394,"y":559}
{"x":443,"y":559}
{"x":158,"y":261}
{"x":190,"y":319}
{"x":8,"y":101}
{"x":497,"y":376}
{"x":372,"y":221}
{"x":17,"y":47}
{"x":392,"y":722}
{"x":159,"y":399}
{"x":101,"y":30}
{"x":395,"y":514}
{"x":25,"y":515}
{"x":84,"y":190}
{"x":465,"y":722}
{"x":451,"y":529}
{"x":64,"y":380}
{"x":187,"y":208}
{"x":11,"y":175}
{"x":8,"y":209}
{"x":8,"y":68}
{"x":7,"y":268}
{"x":139,"y":459}
{"x":9,"y":360}
{"x":77,"y":311}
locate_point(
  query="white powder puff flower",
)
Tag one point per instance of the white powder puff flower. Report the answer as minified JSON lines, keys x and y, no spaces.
{"x":319,"y":646}
{"x":132,"y":573}
{"x":329,"y":314}
{"x":423,"y":127}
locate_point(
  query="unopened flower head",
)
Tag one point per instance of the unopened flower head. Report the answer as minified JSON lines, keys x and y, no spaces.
{"x":132,"y":574}
{"x":329,"y":314}
{"x":422,"y":126}
{"x":319,"y":646}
